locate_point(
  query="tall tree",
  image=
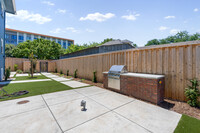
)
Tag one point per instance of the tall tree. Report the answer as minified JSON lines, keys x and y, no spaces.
{"x":43,"y":49}
{"x":74,"y":48}
{"x":8,"y":50}
{"x":181,"y":36}
{"x":153,"y":42}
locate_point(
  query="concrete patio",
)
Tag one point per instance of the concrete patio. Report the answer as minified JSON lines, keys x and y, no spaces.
{"x":107,"y":111}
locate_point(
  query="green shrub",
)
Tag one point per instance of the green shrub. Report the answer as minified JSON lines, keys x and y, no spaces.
{"x":7,"y":74}
{"x":15,"y":67}
{"x":56,"y":70}
{"x":67,"y":72}
{"x":19,"y":71}
{"x":61,"y":72}
{"x":94,"y":77}
{"x":75,"y":73}
{"x":192,"y":93}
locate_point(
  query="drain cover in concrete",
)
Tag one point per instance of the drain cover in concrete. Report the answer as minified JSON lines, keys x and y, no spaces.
{"x":23,"y":102}
{"x":11,"y":107}
{"x":74,"y":84}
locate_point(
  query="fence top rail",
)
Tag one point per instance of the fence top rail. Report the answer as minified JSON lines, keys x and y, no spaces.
{"x":173,"y":45}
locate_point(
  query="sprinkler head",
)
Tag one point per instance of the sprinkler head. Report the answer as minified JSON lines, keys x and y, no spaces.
{"x":83,"y":104}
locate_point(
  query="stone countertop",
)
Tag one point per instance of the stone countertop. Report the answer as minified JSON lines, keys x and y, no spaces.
{"x":105,"y":72}
{"x":142,"y":75}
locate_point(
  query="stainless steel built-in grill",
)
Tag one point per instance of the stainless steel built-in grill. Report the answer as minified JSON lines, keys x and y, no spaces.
{"x":114,"y":76}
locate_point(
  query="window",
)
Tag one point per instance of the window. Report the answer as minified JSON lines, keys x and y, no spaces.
{"x":69,"y":43}
{"x":35,"y":37}
{"x":7,"y":36}
{"x":2,"y":45}
{"x":14,"y":37}
{"x":43,"y":37}
{"x":59,"y":41}
{"x":64,"y":45}
{"x":28,"y":37}
{"x":7,"y":41}
{"x":21,"y":38}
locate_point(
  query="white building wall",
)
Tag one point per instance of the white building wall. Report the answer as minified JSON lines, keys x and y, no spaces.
{"x":24,"y":37}
{"x":66,"y":44}
{"x":62,"y":43}
{"x":17,"y":37}
{"x":32,"y":37}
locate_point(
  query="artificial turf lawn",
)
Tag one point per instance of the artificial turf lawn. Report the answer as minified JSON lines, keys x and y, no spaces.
{"x":188,"y":124}
{"x":29,"y":77}
{"x":35,"y":88}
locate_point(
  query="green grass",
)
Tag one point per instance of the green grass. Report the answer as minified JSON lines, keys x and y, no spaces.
{"x":188,"y":124}
{"x":35,"y":88}
{"x":29,"y":77}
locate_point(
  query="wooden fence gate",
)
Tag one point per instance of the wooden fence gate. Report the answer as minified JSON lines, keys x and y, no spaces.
{"x":43,"y":66}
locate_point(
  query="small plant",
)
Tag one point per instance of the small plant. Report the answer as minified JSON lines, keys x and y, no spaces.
{"x":19,"y":71}
{"x":67,"y":72}
{"x":56,"y":70}
{"x":61,"y":72}
{"x":7,"y":74}
{"x":94,"y":77}
{"x":15,"y":67}
{"x":75,"y":73}
{"x":33,"y":63}
{"x":192,"y":93}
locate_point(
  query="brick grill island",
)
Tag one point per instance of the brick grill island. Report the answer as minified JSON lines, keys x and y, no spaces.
{"x":147,"y":87}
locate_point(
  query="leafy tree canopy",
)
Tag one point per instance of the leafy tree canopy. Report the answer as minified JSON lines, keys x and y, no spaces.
{"x":182,"y":36}
{"x":8,"y":50}
{"x":74,"y":48}
{"x":41,"y":48}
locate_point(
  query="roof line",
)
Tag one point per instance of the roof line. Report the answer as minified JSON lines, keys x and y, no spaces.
{"x":8,"y":29}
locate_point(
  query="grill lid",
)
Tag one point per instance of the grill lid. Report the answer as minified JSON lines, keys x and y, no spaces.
{"x":118,"y":69}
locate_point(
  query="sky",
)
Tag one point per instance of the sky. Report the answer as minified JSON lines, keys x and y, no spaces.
{"x":95,"y":20}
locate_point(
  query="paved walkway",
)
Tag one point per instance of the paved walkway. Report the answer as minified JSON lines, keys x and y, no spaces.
{"x":107,"y":112}
{"x":68,"y":82}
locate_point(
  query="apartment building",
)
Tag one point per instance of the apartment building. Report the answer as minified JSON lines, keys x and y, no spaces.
{"x":15,"y":37}
{"x":9,"y":7}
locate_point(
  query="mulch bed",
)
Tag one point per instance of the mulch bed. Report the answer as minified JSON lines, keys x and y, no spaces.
{"x":181,"y":107}
{"x":177,"y":106}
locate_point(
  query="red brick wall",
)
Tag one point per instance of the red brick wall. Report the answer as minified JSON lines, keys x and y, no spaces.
{"x":105,"y":80}
{"x":151,"y":90}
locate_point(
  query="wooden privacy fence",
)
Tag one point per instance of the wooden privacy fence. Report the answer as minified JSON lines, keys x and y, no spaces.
{"x":178,"y":62}
{"x":24,"y":64}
